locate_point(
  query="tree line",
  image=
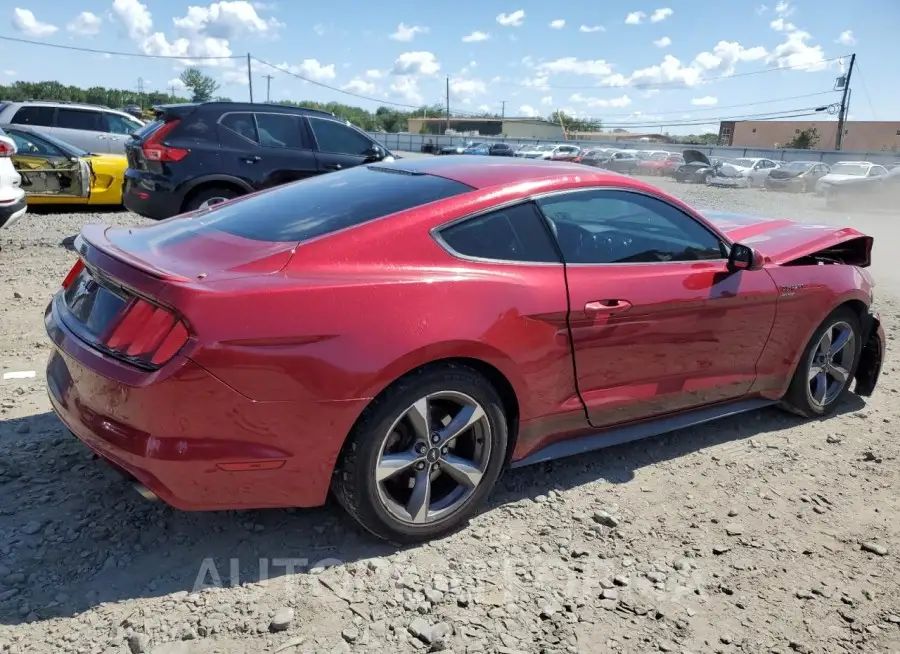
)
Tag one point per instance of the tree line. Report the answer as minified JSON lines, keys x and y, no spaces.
{"x":201,"y":88}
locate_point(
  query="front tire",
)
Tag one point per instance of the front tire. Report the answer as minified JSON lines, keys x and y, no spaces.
{"x":424,"y":455}
{"x":827,"y":367}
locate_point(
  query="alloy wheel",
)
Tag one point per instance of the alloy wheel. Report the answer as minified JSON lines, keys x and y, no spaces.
{"x":433,"y":458}
{"x":830,"y":364}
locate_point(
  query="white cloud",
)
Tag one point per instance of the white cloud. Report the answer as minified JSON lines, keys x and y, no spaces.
{"x":467,"y":87}
{"x":623,"y":101}
{"x":475,"y":37}
{"x":588,"y":29}
{"x":705,"y":101}
{"x":515,"y":19}
{"x":320,"y":29}
{"x":529,"y":111}
{"x":635,"y":18}
{"x":846,"y":38}
{"x":361,"y":86}
{"x":134,"y":17}
{"x":406,"y":33}
{"x":176,"y":83}
{"x":407,"y":88}
{"x":85,"y":24}
{"x":784,"y":8}
{"x":374,"y":74}
{"x":795,"y":52}
{"x":24,"y":21}
{"x":558,"y":24}
{"x":781,"y":25}
{"x":312,"y":69}
{"x":664,"y":42}
{"x":226,"y":20}
{"x":10,"y":73}
{"x":547,"y":100}
{"x":574,"y":66}
{"x":416,"y":63}
{"x":661,"y":14}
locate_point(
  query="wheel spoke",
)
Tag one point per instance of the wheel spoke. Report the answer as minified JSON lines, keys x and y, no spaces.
{"x":825,"y":342}
{"x":839,"y":373}
{"x":392,"y":464}
{"x":461,"y":470}
{"x":814,"y":370}
{"x":420,"y":498}
{"x":820,"y":388}
{"x":466,"y":418}
{"x":418,"y":418}
{"x":844,"y":337}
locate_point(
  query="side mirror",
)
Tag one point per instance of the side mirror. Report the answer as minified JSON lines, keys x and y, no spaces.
{"x":375,"y":153}
{"x":743,"y":257}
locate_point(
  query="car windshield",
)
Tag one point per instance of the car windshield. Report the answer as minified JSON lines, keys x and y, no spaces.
{"x":327,"y":203}
{"x":37,"y":138}
{"x":659,"y":156}
{"x":743,"y":163}
{"x":856,"y":170}
{"x":544,"y":148}
{"x":798,"y":166}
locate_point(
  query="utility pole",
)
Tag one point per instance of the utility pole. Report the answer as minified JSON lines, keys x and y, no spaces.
{"x":140,"y":90}
{"x":269,"y":79}
{"x":249,"y":77}
{"x":842,"y":115}
{"x":448,"y":105}
{"x":172,"y":92}
{"x":502,"y":110}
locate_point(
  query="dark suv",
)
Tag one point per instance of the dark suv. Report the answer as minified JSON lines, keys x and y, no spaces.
{"x":196,"y":155}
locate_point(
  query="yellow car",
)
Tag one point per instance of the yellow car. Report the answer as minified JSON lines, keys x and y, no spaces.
{"x":55,"y":172}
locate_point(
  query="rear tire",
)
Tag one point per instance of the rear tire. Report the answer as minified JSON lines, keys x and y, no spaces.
{"x":393,"y":452}
{"x":209,"y":196}
{"x":827,"y":366}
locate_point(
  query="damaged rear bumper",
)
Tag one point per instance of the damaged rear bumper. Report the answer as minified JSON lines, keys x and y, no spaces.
{"x":871,"y":356}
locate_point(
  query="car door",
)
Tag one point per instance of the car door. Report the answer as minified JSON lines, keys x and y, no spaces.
{"x":119,"y":130}
{"x":658,"y":323}
{"x":49,"y":173}
{"x":340,"y":146}
{"x":760,"y":171}
{"x":83,"y":128}
{"x":266,"y":149}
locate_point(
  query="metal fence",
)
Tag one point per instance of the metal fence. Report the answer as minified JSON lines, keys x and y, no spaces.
{"x":414,"y":142}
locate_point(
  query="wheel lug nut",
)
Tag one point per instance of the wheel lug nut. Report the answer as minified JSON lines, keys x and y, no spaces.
{"x":420,"y":466}
{"x":444,"y":451}
{"x":435,"y":438}
{"x":420,"y":448}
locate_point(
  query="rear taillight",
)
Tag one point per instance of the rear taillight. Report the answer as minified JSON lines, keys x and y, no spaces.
{"x":77,"y":268}
{"x":7,"y":147}
{"x":154,"y":149}
{"x":147,"y":334}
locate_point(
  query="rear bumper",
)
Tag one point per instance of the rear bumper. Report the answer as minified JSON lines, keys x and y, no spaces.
{"x":151,"y":196}
{"x":187,"y":437}
{"x":793,"y":184}
{"x":872,"y":355}
{"x":11,"y":212}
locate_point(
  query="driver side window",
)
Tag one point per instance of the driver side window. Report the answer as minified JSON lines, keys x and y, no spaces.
{"x":337,"y":138}
{"x":34,"y":146}
{"x":618,"y":227}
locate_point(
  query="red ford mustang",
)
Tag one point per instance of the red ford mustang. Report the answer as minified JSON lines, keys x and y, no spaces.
{"x":401,"y":332}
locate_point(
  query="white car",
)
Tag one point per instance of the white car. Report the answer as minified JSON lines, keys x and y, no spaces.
{"x":743,"y":172}
{"x":12,"y":196}
{"x":844,"y":170}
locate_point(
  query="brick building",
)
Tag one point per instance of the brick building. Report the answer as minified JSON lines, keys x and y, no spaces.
{"x":862,"y":135}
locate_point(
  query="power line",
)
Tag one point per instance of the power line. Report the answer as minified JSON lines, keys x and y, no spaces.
{"x":790,"y":113}
{"x":673,"y":84}
{"x":866,"y":91}
{"x":732,"y":106}
{"x":112,"y":52}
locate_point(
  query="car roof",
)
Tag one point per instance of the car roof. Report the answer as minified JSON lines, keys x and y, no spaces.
{"x":484,"y":172}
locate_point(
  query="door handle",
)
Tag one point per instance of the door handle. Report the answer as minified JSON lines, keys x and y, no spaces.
{"x":102,"y":137}
{"x":333,"y":167}
{"x":113,"y":138}
{"x":607,"y":306}
{"x":251,"y":159}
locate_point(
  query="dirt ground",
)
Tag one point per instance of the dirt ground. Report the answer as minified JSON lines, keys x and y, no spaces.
{"x":762,"y":533}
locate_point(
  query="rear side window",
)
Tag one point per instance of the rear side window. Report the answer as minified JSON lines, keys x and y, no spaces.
{"x":280,"y":131}
{"x":148,"y":129}
{"x":327,"y":203}
{"x":517,"y":233}
{"x":40,"y":116}
{"x":241,"y":123}
{"x":84,"y":119}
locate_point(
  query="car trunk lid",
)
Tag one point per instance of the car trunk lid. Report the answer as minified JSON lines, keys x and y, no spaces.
{"x":783,"y":241}
{"x":180,"y":250}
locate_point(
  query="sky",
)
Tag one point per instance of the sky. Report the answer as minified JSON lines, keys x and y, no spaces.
{"x":668,"y":65}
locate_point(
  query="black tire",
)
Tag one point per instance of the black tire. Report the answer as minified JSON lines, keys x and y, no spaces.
{"x":798,"y":397}
{"x":206,"y":193}
{"x":354,"y":484}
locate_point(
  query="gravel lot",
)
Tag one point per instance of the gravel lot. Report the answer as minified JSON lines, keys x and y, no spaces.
{"x":762,"y":533}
